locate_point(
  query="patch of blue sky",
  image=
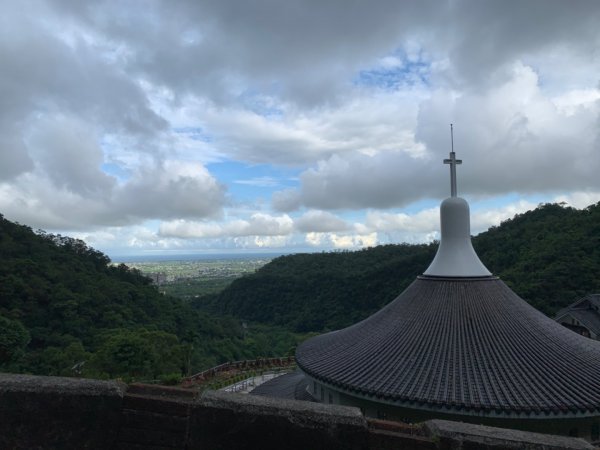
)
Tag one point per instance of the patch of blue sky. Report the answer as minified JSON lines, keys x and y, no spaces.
{"x":396,"y":71}
{"x":116,"y":171}
{"x":248,"y":181}
{"x":194,"y":133}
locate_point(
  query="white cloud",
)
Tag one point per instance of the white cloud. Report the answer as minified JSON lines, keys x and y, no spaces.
{"x":483,"y":219}
{"x":319,"y":221}
{"x":66,"y":150}
{"x":570,"y":102}
{"x":423,"y":221}
{"x":512,"y":138}
{"x":265,"y":181}
{"x":341,"y":241}
{"x":164,"y":191}
{"x":353,"y":241}
{"x":286,"y":200}
{"x":367,"y":123}
{"x":579,"y":199}
{"x":257,"y":225}
{"x":418,"y":227}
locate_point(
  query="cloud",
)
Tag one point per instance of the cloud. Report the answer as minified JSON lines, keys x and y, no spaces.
{"x":66,"y":150}
{"x":341,"y":241}
{"x":302,"y":51}
{"x":257,"y":225}
{"x":14,"y":159}
{"x":579,"y":199}
{"x":164,"y":191}
{"x":45,"y":71}
{"x":217,"y":49}
{"x":319,"y":221}
{"x":512,"y":138}
{"x":482,"y":56}
{"x":265,"y":181}
{"x":172,"y":189}
{"x":368,"y":123}
{"x":483,"y":219}
{"x":286,"y":200}
{"x":361,"y":181}
{"x":423,"y":221}
{"x":114,"y":112}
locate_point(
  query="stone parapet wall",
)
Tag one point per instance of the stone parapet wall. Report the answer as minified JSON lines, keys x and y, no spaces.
{"x":61,"y":413}
{"x":68,"y":413}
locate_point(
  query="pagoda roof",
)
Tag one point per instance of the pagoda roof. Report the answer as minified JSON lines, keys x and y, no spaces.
{"x":470,"y":345}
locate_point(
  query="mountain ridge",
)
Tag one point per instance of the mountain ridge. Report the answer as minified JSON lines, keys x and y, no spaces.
{"x":550,"y":256}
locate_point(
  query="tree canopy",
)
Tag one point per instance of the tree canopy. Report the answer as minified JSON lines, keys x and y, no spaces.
{"x":65,"y":310}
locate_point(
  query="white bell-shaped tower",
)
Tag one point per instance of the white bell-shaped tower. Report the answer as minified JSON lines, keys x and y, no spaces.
{"x":456,"y":256}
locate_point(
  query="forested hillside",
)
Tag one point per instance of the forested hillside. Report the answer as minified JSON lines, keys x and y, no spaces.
{"x":64,"y":310}
{"x":323,"y":291}
{"x":549,"y":256}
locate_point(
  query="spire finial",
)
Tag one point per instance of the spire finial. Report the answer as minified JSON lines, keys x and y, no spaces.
{"x":453,"y":162}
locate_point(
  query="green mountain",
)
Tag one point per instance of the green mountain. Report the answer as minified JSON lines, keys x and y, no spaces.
{"x":323,"y":291}
{"x":550,"y":256}
{"x":65,"y":310}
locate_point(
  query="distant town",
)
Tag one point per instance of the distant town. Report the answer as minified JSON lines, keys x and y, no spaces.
{"x":192,"y":278}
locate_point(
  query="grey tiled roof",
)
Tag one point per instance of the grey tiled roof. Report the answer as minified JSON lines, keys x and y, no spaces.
{"x":469,"y":344}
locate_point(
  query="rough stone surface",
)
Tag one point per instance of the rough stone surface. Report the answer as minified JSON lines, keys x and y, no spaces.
{"x":458,"y":435}
{"x":234,"y":421}
{"x":53,"y":412}
{"x":387,"y":440}
{"x":59,"y":386}
{"x":68,"y":413}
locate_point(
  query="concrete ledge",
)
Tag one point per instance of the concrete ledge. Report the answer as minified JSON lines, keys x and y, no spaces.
{"x":56,"y":412}
{"x":222,"y":420}
{"x":459,"y":435}
{"x":68,"y":413}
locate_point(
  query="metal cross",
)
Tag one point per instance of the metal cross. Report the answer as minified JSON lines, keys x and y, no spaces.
{"x":453,"y":162}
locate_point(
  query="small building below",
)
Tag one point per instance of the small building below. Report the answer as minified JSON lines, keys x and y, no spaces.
{"x":582,"y":317}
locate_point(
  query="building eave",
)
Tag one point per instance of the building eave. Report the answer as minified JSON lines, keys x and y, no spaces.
{"x":456,"y":409}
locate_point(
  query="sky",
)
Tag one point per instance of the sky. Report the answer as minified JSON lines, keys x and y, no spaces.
{"x":213,"y":126}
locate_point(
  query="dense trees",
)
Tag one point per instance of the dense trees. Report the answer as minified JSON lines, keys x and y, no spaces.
{"x":13,"y":339}
{"x":549,"y":256}
{"x":139,"y":354}
{"x":324,"y":291}
{"x":65,"y":310}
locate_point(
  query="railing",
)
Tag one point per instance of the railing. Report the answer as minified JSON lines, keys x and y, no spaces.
{"x":250,"y":383}
{"x":252,"y":364}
